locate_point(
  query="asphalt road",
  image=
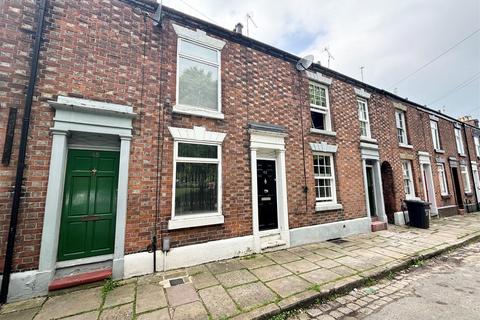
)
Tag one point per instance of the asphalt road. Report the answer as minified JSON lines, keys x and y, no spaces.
{"x":450,"y":289}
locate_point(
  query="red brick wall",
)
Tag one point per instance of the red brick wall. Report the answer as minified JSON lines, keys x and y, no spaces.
{"x":16,"y":38}
{"x":94,"y":50}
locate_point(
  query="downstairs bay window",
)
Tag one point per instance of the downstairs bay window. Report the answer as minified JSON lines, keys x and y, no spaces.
{"x":197,"y":179}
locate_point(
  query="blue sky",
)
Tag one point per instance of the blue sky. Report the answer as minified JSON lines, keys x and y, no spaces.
{"x":390,"y":39}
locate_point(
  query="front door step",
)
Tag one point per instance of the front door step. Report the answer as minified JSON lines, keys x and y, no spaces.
{"x":379,"y":225}
{"x":78,"y":279}
{"x":273,"y":244}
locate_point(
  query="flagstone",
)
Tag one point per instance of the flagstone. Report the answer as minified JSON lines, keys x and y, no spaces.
{"x":251,"y":295}
{"x":218,"y":302}
{"x":71,"y":303}
{"x":150,"y":297}
{"x":288,"y":286}
{"x":235,"y":278}
{"x":271,"y":272}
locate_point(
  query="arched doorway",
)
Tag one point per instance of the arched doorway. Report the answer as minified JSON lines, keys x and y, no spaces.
{"x":388,"y":187}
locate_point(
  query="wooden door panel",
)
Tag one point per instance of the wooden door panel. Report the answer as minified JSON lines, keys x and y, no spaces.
{"x":88,"y":215}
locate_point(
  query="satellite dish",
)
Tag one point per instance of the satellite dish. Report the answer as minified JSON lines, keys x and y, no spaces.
{"x":304,"y":63}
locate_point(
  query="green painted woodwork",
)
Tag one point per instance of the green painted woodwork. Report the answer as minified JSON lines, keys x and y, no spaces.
{"x":89,"y":204}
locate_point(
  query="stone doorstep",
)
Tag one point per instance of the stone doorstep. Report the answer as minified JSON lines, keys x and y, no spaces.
{"x":343,"y":285}
{"x":79,"y":279}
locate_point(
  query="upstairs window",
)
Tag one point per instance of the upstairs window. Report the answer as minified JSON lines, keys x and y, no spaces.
{"x":476,"y":141}
{"x":401,"y":127}
{"x":319,"y":107}
{"x":408,"y":179}
{"x":459,"y":141}
{"x":435,"y":135}
{"x":325,"y":190}
{"x":364,"y":118}
{"x":442,"y":179}
{"x":198,"y":76}
{"x":466,"y":179}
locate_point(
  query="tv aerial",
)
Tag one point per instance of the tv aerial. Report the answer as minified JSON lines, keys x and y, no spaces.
{"x":249,"y":18}
{"x":304,"y":63}
{"x":330,"y":56}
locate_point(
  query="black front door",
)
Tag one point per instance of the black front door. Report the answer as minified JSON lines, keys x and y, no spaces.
{"x":371,"y":192}
{"x":456,"y":187}
{"x":267,"y":195}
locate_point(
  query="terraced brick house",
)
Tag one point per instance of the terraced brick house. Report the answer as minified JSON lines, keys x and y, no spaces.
{"x":156,"y":141}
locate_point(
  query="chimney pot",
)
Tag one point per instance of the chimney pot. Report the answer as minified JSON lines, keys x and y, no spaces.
{"x":238,"y":28}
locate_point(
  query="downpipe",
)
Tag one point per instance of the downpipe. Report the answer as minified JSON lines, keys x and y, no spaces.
{"x":17,"y":193}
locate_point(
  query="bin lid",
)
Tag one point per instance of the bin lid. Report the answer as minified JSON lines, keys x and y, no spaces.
{"x":417,"y":201}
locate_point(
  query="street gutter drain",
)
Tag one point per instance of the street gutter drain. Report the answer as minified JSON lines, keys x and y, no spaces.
{"x":338,"y":240}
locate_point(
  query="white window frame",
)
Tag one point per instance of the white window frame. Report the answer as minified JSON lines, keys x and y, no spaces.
{"x":476,"y":141}
{"x":435,"y":135}
{"x":442,"y":179}
{"x":407,"y":174}
{"x":459,"y":141}
{"x":401,"y":124}
{"x":467,"y":185}
{"x":366,"y":120}
{"x":321,"y":109}
{"x":333,"y":199}
{"x":197,"y":135}
{"x":200,"y":38}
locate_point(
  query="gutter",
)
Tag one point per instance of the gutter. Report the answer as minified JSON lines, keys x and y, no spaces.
{"x":17,"y":193}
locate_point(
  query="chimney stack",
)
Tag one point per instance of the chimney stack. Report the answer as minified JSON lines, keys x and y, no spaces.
{"x":469,"y":120}
{"x":238,"y":28}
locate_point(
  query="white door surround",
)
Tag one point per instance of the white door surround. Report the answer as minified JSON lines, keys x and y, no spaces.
{"x":91,"y":117}
{"x":427,"y":180}
{"x":268,"y":142}
{"x":476,"y":180}
{"x":370,"y":154}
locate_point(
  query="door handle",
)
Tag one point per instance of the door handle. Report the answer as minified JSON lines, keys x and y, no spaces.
{"x":90,"y":218}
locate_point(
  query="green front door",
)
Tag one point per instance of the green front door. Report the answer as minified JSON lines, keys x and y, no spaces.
{"x":89,"y":204}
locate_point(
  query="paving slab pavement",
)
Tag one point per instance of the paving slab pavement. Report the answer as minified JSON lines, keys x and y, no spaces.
{"x":258,"y":285}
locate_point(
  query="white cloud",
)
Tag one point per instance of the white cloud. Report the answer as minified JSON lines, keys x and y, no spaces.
{"x":390,"y":38}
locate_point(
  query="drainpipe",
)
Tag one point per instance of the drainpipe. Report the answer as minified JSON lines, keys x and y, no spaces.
{"x":17,"y":193}
{"x":470,"y":164}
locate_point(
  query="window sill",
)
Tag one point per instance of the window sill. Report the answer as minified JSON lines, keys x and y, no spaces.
{"x":191,"y":222}
{"x":446,"y":196}
{"x":407,"y":146}
{"x":368,"y":139}
{"x":198,"y":112}
{"x":439,"y":151}
{"x":462,"y":154}
{"x":469,"y":193}
{"x":327,"y":207}
{"x":325,"y":132}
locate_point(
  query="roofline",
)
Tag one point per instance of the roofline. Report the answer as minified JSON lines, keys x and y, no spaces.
{"x":232,"y":36}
